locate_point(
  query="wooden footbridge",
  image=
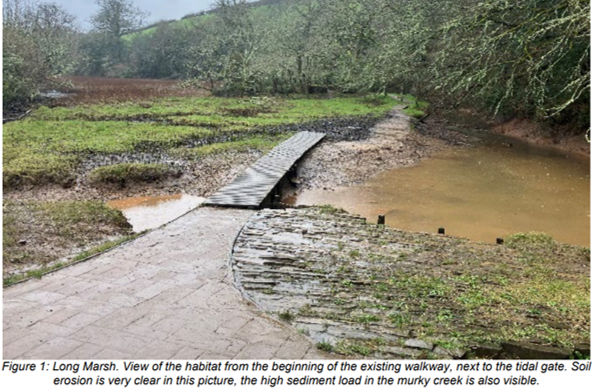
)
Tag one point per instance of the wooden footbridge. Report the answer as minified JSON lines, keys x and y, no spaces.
{"x":255,"y":187}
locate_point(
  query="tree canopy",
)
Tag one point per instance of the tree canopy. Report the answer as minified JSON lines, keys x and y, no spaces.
{"x":39,"y":42}
{"x":524,"y":57}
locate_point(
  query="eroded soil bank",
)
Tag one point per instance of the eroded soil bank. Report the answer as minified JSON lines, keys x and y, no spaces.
{"x":561,"y":138}
{"x":366,"y":290}
{"x":565,"y":138}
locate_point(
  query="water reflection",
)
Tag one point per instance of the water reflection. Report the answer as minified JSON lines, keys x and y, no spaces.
{"x":151,"y":212}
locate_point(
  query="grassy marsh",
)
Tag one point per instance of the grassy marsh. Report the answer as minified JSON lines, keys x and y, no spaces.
{"x":120,"y":174}
{"x":50,"y":145}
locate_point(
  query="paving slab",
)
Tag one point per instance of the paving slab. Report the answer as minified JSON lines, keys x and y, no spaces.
{"x":175,"y":299}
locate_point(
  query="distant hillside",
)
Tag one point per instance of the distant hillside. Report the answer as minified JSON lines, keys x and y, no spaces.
{"x":195,"y":18}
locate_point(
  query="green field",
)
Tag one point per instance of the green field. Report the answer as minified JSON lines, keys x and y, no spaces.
{"x":50,"y":145}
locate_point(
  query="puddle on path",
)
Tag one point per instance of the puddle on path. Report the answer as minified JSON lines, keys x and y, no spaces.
{"x":484,"y":192}
{"x":151,"y":212}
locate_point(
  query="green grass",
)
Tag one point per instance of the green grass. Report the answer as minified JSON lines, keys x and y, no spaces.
{"x":367,"y":318}
{"x":530,"y":241}
{"x":24,"y":166}
{"x":533,"y":288}
{"x":354,"y":254}
{"x":259,"y":143}
{"x":286,"y":316}
{"x":103,"y":247}
{"x":48,"y":146}
{"x":399,"y":319}
{"x":260,"y":11}
{"x":36,"y":274}
{"x":330,"y":209}
{"x":77,"y":137}
{"x":421,"y":286}
{"x":358,"y":348}
{"x":325,"y":346}
{"x":69,"y":217}
{"x":223,"y":111}
{"x":187,"y":23}
{"x":120,"y":174}
{"x":416,"y":108}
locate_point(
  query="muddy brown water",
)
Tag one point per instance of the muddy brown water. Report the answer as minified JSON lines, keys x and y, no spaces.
{"x":151,"y":212}
{"x":481,"y":192}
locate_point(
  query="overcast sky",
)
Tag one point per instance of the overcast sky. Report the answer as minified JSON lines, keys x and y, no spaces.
{"x":158,"y":9}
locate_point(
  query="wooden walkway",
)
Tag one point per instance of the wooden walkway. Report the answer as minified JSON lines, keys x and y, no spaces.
{"x":253,"y":187}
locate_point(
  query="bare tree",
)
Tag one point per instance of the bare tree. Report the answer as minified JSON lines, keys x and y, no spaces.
{"x":117,"y":17}
{"x":114,"y":19}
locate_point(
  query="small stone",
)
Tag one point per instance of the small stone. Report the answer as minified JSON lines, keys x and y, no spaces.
{"x":22,"y":242}
{"x":455,"y":353}
{"x":399,"y":351}
{"x":419,"y":344}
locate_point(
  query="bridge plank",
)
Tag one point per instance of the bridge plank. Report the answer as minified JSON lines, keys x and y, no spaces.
{"x":250,"y":189}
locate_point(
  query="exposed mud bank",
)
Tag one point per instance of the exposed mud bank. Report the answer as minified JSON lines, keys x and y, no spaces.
{"x":537,"y":134}
{"x":564,"y":138}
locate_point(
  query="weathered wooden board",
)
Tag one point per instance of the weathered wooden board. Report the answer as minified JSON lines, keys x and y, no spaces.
{"x":250,"y":189}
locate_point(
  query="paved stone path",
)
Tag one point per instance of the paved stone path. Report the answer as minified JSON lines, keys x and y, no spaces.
{"x":167,"y":295}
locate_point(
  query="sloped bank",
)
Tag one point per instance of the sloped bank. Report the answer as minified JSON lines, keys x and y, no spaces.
{"x":365,"y":290}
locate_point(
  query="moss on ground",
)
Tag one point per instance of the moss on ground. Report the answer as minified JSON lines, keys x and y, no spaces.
{"x":262,"y":143}
{"x":121,"y":174}
{"x":416,"y":108}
